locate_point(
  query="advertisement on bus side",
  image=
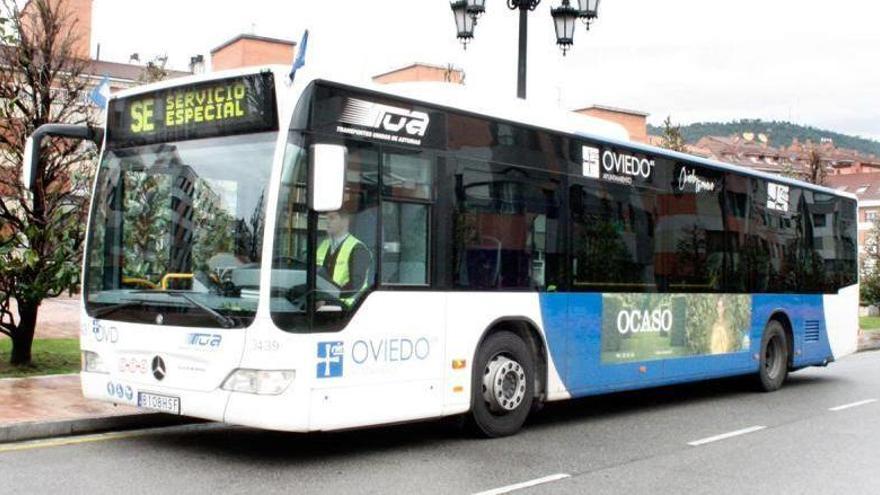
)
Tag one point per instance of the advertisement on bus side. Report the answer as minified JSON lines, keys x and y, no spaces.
{"x":642,"y":327}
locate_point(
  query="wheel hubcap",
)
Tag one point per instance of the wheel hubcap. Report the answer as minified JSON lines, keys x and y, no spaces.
{"x":504,"y":384}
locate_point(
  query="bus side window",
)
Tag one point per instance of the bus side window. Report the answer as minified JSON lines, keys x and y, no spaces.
{"x":612,"y":238}
{"x":506,"y":228}
{"x":407,"y":189}
{"x":404,"y":243}
{"x":690,"y":245}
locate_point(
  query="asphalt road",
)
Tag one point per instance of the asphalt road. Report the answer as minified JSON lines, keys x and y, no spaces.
{"x":626,"y":443}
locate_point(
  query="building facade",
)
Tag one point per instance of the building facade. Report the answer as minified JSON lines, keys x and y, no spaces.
{"x":422,"y":72}
{"x":247,"y":50}
{"x":634,"y":121}
{"x":866,"y":186}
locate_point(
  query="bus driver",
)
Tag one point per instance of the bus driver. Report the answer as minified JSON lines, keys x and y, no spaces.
{"x":345,"y":259}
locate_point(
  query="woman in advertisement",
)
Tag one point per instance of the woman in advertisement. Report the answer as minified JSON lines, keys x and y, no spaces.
{"x":720,"y":341}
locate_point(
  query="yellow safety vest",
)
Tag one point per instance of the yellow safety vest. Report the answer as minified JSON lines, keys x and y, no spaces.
{"x":341,"y":273}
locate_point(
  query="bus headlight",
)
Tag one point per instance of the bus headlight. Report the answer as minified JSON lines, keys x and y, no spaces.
{"x":92,"y":363}
{"x":260,"y":382}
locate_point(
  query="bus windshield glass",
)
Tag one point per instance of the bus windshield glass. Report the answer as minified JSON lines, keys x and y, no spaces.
{"x":177,"y":224}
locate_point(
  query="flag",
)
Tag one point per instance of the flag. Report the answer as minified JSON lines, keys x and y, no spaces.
{"x":101,"y":93}
{"x":300,"y":55}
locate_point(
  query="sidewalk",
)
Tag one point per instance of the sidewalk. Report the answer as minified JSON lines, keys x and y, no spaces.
{"x":869,"y":341}
{"x":44,"y":407}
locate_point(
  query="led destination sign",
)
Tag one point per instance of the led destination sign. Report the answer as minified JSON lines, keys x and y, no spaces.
{"x":230,"y":106}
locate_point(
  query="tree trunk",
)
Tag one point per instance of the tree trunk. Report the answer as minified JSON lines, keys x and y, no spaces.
{"x":23,"y":337}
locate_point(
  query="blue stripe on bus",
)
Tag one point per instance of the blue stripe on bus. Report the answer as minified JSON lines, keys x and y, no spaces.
{"x":573,"y":322}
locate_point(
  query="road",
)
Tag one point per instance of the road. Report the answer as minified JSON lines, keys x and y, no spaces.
{"x":714,"y":437}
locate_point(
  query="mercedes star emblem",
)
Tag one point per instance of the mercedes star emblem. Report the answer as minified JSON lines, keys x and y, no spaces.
{"x":158,"y":368}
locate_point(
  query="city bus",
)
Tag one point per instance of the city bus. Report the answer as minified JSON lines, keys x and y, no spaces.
{"x":507,"y":256}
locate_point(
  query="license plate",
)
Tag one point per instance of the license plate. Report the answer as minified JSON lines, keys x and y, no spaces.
{"x":159,"y":402}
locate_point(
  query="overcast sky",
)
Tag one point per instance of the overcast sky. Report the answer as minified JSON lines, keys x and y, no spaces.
{"x":813,"y":62}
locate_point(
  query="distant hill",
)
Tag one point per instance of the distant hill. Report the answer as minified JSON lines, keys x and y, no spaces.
{"x":779,"y":133}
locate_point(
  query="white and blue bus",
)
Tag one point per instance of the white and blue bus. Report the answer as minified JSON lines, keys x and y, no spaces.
{"x":509,"y":256}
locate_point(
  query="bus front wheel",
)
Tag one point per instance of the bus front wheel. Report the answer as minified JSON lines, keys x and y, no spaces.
{"x":774,"y":357}
{"x":503,"y":385}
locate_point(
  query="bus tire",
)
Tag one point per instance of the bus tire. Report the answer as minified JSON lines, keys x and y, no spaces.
{"x":773,"y":368}
{"x":503,"y":386}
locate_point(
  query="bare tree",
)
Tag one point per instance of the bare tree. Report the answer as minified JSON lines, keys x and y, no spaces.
{"x":154,"y":70}
{"x":815,"y":172}
{"x":41,"y":232}
{"x":813,"y":169}
{"x":450,"y":73}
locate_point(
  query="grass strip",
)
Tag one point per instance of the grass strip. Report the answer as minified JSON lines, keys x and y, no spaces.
{"x":49,"y":357}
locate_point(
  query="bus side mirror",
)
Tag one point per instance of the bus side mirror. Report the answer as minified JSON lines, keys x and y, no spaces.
{"x":327,"y":177}
{"x":31,"y":159}
{"x":29,"y":167}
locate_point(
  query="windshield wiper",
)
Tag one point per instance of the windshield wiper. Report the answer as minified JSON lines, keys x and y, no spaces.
{"x":225,"y":321}
{"x":116,"y":307}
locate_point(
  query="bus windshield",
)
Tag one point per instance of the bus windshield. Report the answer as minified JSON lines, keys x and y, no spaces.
{"x":177,"y":231}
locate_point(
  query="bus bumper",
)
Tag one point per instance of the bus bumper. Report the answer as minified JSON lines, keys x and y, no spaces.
{"x":117,"y":390}
{"x":273,"y":412}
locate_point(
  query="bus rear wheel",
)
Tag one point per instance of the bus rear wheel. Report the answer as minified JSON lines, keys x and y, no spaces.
{"x":503,"y":386}
{"x":774,"y":357}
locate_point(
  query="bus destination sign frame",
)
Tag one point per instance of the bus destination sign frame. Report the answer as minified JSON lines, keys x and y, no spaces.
{"x":237,"y":105}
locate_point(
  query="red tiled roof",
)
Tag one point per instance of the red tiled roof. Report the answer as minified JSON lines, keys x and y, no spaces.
{"x":759,"y":156}
{"x":866,"y":186}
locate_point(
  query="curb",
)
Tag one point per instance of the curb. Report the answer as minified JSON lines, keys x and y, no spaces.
{"x":869,"y":346}
{"x":36,"y":377}
{"x":37,"y":430}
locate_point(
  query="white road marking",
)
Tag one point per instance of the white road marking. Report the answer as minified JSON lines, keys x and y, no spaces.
{"x":854,"y":404}
{"x":525,"y":484}
{"x":725,"y":436}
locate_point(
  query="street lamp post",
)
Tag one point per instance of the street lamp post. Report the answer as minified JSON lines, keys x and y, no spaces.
{"x":466,"y":13}
{"x":524,"y":6}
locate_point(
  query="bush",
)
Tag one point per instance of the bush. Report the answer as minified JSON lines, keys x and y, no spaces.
{"x":869,"y":290}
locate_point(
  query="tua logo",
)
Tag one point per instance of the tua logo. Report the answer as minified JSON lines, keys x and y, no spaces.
{"x":330,"y":359}
{"x":386,"y":117}
{"x":204,"y":340}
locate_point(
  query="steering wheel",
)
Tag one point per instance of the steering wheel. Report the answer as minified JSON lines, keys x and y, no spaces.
{"x":297,"y":295}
